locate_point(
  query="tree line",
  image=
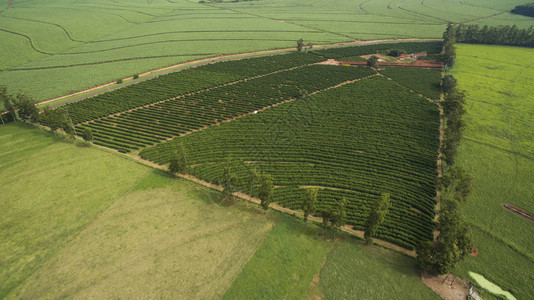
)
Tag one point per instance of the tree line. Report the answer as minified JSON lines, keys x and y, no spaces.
{"x":493,"y":35}
{"x":454,"y":240}
{"x":21,"y":107}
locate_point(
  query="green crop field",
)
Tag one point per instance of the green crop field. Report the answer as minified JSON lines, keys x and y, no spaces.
{"x":383,"y":140}
{"x":52,"y":48}
{"x":498,"y":150}
{"x":132,"y":232}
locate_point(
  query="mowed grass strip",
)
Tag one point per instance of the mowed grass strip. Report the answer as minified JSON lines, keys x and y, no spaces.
{"x":284,"y":265}
{"x":50,"y":191}
{"x":498,"y":151}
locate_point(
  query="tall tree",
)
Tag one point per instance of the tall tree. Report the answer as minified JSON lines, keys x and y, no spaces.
{"x":266,"y":190}
{"x":26,"y":108}
{"x":308,"y":202}
{"x":252,"y":177}
{"x":66,"y":125}
{"x":87,"y":135}
{"x":177,"y":163}
{"x":452,"y":244}
{"x":8,"y":100}
{"x":335,"y":216}
{"x":300,"y":45}
{"x":448,"y":83}
{"x":372,"y":62}
{"x":376,"y":216}
{"x":229,"y":181}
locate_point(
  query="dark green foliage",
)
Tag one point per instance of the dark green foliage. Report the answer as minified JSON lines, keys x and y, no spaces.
{"x":494,"y":35}
{"x":423,"y":81}
{"x":178,"y":163}
{"x":308,"y":202}
{"x":191,"y":80}
{"x":8,"y":101}
{"x":525,"y":10}
{"x":452,"y":244}
{"x":338,"y":53}
{"x":449,"y":50}
{"x":252,"y":178}
{"x":376,"y":216}
{"x":300,"y":45}
{"x":150,"y":125}
{"x":136,"y":76}
{"x":453,"y":110}
{"x":229,"y":181}
{"x":87,"y":135}
{"x":448,"y":83}
{"x":52,"y":118}
{"x":26,"y":108}
{"x":266,"y":190}
{"x":356,"y":141}
{"x":67,"y":126}
{"x":372,"y":62}
{"x":335,"y":216}
{"x":458,"y":183}
{"x":119,"y":81}
{"x":396,"y":52}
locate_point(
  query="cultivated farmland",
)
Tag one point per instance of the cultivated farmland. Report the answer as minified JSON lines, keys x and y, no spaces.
{"x":498,"y":150}
{"x":133,"y":231}
{"x":383,"y":140}
{"x":55,"y":47}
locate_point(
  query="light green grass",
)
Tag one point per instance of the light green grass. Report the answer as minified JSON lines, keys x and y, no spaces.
{"x":51,"y":190}
{"x":159,"y":33}
{"x":356,"y":271}
{"x":171,"y":242}
{"x":284,"y":265}
{"x":498,"y":151}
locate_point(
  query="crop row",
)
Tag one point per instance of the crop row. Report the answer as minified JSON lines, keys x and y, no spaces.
{"x":424,"y":81}
{"x":182,"y":82}
{"x":157,"y":122}
{"x":409,"y":47}
{"x":355,"y":141}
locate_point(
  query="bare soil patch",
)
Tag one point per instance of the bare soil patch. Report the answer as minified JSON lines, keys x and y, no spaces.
{"x":448,"y":287}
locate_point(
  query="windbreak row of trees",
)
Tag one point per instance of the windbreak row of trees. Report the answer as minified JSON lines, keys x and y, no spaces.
{"x":493,"y":35}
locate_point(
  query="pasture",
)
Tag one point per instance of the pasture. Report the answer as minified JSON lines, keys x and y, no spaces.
{"x":57,"y":47}
{"x":498,"y":150}
{"x":130,"y":231}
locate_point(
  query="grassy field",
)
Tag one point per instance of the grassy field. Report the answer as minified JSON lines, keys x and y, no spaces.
{"x":498,"y":150}
{"x":284,"y":266}
{"x":51,"y":191}
{"x":56,"y":47}
{"x":355,"y":271}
